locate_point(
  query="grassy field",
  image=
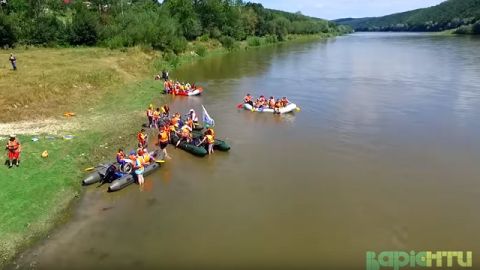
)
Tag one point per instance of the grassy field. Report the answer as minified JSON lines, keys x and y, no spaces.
{"x":92,"y":82}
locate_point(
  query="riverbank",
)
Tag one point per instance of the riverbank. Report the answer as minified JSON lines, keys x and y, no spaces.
{"x":107,"y":89}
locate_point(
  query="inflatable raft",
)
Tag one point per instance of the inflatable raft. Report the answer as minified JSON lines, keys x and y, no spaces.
{"x":218,"y":145}
{"x":95,"y":176}
{"x":192,"y":92}
{"x":189,"y":147}
{"x":128,"y":179}
{"x":289,"y":108}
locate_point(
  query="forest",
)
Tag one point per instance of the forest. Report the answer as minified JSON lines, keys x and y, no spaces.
{"x":168,"y":26}
{"x":462,"y":15}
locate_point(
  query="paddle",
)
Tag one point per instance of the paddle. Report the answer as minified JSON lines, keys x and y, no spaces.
{"x":297,"y":109}
{"x":240,"y":105}
{"x":160,"y":161}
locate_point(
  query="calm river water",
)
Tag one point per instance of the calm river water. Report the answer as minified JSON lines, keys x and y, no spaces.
{"x":384,"y":155}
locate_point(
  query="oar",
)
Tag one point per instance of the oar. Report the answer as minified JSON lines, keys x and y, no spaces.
{"x":160,"y":161}
{"x":90,"y":169}
{"x":297,"y":109}
{"x":240,"y":105}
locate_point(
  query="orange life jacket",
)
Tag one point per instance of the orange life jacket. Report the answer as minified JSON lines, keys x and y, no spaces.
{"x":13,"y":146}
{"x":163,"y":136}
{"x":120,"y":155}
{"x":141,"y":137}
{"x":247,"y":99}
{"x":156,"y":114}
{"x":133,"y":158}
{"x":210,"y":139}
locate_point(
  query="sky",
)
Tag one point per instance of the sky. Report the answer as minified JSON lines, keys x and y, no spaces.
{"x":336,"y":9}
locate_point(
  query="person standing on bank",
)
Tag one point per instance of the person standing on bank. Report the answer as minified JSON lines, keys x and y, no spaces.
{"x":13,"y":61}
{"x":165,"y":75}
{"x":14,"y":148}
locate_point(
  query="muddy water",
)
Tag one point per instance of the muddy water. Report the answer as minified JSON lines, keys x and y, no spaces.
{"x":383,"y":156}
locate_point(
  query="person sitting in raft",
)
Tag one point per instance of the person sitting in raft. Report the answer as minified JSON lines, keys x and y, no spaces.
{"x":147,"y":158}
{"x":271,"y":103}
{"x":142,"y":138}
{"x":185,"y":135}
{"x":132,"y":157}
{"x":248,"y":100}
{"x":163,"y":139}
{"x":284,"y":101}
{"x":120,"y":156}
{"x":188,"y":87}
{"x":139,"y":167}
{"x":156,"y":117}
{"x":260,"y":102}
{"x":150,"y":115}
{"x":209,"y":140}
{"x":14,"y":149}
{"x":278,"y":105}
{"x":165,"y":111}
{"x":175,"y":121}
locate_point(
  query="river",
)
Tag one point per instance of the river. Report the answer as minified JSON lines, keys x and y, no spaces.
{"x":382,"y":156}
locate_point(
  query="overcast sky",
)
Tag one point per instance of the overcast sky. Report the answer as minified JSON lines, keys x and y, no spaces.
{"x":335,"y":9}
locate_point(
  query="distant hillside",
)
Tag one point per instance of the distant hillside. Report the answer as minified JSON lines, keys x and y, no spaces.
{"x":450,"y":14}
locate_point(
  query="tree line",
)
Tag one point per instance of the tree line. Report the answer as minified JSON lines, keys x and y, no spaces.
{"x":163,"y":26}
{"x":451,"y":14}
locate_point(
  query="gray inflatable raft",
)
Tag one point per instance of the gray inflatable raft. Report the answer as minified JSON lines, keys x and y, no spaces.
{"x":95,"y":176}
{"x":129,"y":179}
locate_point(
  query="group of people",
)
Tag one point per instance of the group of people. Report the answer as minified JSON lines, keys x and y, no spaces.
{"x":135,"y":161}
{"x":261,"y":102}
{"x":154,"y":116}
{"x":176,"y":88}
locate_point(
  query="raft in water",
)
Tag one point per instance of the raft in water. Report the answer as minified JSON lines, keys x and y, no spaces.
{"x":189,"y":147}
{"x":220,"y":145}
{"x":289,"y":108}
{"x":192,"y":92}
{"x":129,"y":179}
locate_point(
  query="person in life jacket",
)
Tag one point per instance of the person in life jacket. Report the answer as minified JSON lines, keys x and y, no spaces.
{"x":209,"y":131}
{"x":260,"y":102}
{"x":147,"y":158}
{"x":132,"y":157}
{"x":142,"y":139}
{"x":165,"y":111}
{"x":14,"y":149}
{"x":278,"y":105}
{"x":284,"y":101}
{"x":185,"y":135}
{"x":139,"y":167}
{"x":271,"y":102}
{"x":120,"y":156}
{"x":163,"y":140}
{"x":156,"y":117}
{"x":150,"y":115}
{"x":189,"y":123}
{"x":209,"y":140}
{"x":248,"y":100}
{"x":192,"y":115}
{"x":175,"y":120}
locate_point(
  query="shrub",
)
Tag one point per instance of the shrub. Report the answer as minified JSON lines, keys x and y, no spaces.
{"x":271,"y":39}
{"x":7,"y":36}
{"x":254,"y":41}
{"x":201,"y":50}
{"x":179,"y":45}
{"x":84,"y":29}
{"x":228,"y":42}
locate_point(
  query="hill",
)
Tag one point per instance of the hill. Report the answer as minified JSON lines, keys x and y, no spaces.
{"x":450,"y":14}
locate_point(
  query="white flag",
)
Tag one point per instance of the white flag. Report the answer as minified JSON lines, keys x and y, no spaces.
{"x":207,"y":120}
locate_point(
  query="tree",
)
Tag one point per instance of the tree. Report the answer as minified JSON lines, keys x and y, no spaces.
{"x":84,"y":28}
{"x":7,"y":36}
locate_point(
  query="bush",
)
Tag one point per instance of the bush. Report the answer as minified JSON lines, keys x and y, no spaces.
{"x":84,"y":29}
{"x":271,"y":39}
{"x":179,"y":45}
{"x":7,"y":36}
{"x":476,"y":28}
{"x":204,"y":38}
{"x":254,"y":41}
{"x":47,"y":30}
{"x":201,"y":50}
{"x":228,"y":42}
